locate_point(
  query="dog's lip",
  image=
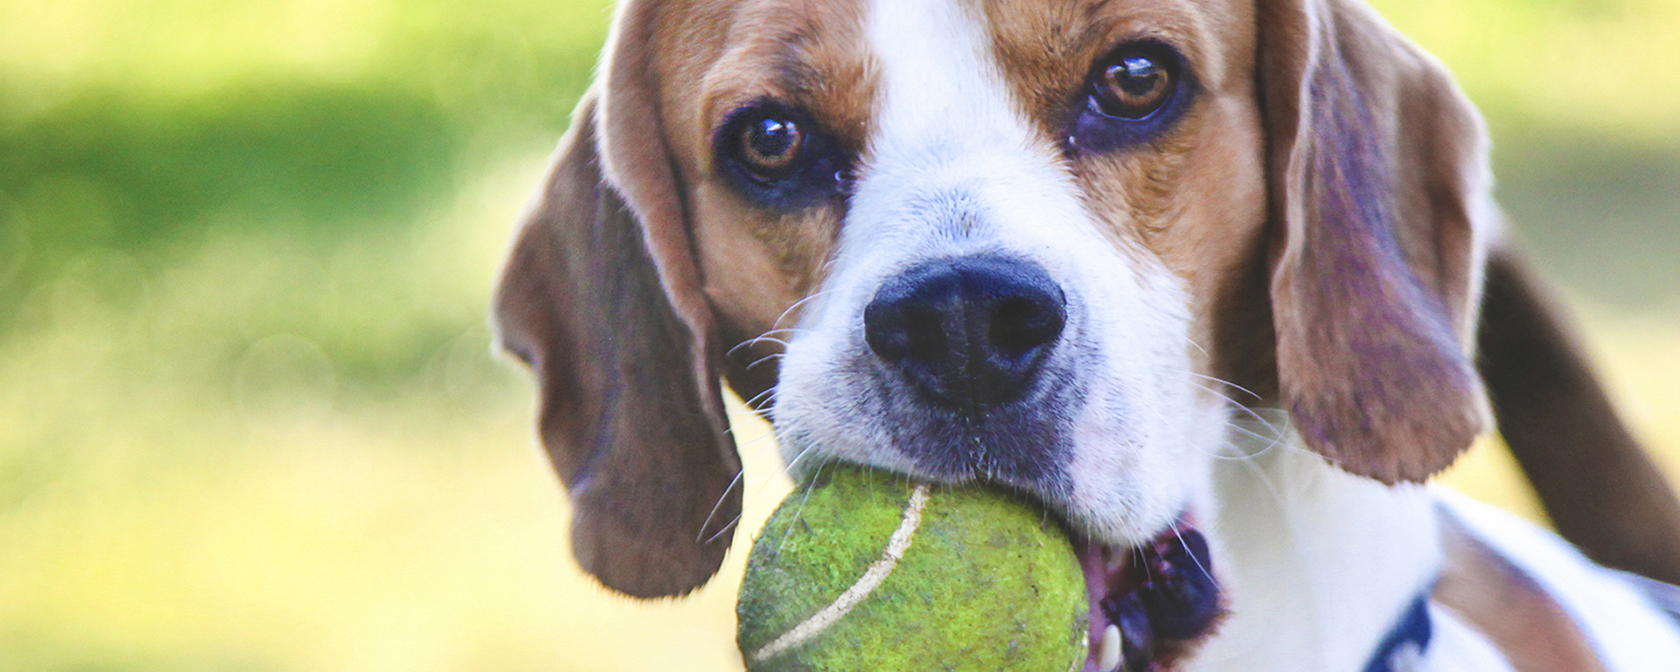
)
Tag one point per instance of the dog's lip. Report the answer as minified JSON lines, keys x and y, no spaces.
{"x":1111,"y":572}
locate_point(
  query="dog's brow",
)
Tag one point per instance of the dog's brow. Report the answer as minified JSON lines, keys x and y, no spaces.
{"x":1088,"y":34}
{"x":806,"y":57}
{"x":1045,"y":49}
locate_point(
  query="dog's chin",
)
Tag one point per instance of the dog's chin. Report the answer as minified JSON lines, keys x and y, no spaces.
{"x":1120,"y":490}
{"x":1014,"y":446}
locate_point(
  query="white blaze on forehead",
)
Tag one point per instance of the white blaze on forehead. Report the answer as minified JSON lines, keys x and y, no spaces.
{"x":950,"y":148}
{"x":940,"y":84}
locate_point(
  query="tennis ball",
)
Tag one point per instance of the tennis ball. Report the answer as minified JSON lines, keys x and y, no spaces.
{"x":863,"y":570}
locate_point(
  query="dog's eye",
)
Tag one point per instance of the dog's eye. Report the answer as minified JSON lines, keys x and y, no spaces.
{"x":1132,"y":86}
{"x":779,"y":156}
{"x":1135,"y":93}
{"x":770,"y":146}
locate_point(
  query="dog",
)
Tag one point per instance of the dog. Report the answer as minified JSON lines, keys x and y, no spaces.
{"x":1229,"y":267}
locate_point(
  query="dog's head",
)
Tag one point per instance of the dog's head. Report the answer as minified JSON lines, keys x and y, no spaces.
{"x":1036,"y":243}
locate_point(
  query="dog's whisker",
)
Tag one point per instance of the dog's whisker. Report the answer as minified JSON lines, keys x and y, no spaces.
{"x":795,"y":306}
{"x":1197,"y":346}
{"x":761,"y":396}
{"x":745,"y":408}
{"x":743,"y":447}
{"x":1274,"y":430}
{"x":765,"y":337}
{"x":1229,"y":423}
{"x":1245,"y":456}
{"x":1193,"y":557}
{"x":770,"y":335}
{"x":768,"y":339}
{"x":1222,"y":381}
{"x":1213,"y":391}
{"x":752,"y":405}
{"x":1237,"y":405}
{"x":746,"y":413}
{"x":1277,"y":433}
{"x":1278,"y":439}
{"x":749,"y":501}
{"x":810,"y":487}
{"x":743,"y":344}
{"x":739,"y":475}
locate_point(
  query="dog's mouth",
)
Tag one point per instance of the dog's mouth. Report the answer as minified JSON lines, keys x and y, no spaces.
{"x":1150,"y":604}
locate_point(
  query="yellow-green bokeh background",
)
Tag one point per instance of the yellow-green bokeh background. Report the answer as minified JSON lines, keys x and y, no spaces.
{"x":247,"y":416}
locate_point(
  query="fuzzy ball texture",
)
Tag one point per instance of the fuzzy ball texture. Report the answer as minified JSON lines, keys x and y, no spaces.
{"x":987,"y":581}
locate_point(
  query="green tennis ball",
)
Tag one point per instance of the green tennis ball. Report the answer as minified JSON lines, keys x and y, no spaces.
{"x":867,"y":571}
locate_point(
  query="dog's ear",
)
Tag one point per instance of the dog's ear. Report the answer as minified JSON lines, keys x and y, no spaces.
{"x":1378,"y":177}
{"x":601,"y":298}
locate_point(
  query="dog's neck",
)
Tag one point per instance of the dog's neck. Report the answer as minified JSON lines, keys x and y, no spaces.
{"x":1317,"y":565}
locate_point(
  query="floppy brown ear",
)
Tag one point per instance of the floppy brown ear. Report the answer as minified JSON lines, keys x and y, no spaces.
{"x":1596,"y":482}
{"x":1377,"y":174}
{"x":630,"y":411}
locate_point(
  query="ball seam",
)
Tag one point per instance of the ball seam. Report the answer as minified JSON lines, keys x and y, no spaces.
{"x":872,"y":577}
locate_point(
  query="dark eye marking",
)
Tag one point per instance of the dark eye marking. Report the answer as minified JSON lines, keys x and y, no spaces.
{"x":1133,"y":94}
{"x":778,"y":156}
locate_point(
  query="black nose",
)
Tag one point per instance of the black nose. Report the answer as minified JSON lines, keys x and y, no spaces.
{"x":967,"y":332}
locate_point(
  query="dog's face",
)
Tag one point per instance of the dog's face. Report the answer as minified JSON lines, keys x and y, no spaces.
{"x":1015,"y":274}
{"x":1021,"y":242}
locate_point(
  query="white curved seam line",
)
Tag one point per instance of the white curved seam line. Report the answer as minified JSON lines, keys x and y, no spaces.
{"x":866,"y":584}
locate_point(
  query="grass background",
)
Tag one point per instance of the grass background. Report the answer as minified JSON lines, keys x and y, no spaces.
{"x":247,"y":416}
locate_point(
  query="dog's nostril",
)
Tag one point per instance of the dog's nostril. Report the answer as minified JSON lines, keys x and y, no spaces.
{"x":968,"y":331}
{"x":1021,"y":324}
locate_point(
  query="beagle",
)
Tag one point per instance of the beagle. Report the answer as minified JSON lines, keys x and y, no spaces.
{"x":1212,"y":267}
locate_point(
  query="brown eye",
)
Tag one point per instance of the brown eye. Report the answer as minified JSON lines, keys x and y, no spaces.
{"x":770,"y":147}
{"x":1132,"y":85}
{"x":778,"y":156}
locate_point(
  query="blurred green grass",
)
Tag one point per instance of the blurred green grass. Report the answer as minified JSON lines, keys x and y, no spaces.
{"x":248,"y":415}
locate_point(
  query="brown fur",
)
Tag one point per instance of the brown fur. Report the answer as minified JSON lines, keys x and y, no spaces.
{"x":1376,"y":163}
{"x":757,"y":263}
{"x":1316,"y":204}
{"x":1375,"y":160}
{"x":653,"y":502}
{"x":1196,"y":198}
{"x":1516,"y":614}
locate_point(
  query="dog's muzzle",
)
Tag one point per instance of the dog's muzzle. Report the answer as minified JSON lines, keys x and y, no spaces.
{"x":967,"y":333}
{"x":963,"y":351}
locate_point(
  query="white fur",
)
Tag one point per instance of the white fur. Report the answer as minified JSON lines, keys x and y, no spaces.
{"x":1456,"y":647}
{"x":953,"y":168}
{"x":1318,"y":564}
